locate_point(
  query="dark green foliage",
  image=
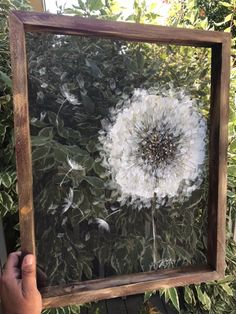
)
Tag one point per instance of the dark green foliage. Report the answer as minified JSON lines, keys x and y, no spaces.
{"x":54,"y":139}
{"x":8,"y":197}
{"x":68,"y":100}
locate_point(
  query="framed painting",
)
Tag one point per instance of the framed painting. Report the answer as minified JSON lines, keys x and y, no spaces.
{"x":121,"y":146}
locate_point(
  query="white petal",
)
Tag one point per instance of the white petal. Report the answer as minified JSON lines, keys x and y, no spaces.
{"x":102,"y":224}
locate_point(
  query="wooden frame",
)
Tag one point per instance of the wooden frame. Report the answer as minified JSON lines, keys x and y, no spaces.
{"x":21,"y":22}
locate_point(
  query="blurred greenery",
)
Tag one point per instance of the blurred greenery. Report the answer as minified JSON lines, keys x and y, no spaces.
{"x":215,"y":297}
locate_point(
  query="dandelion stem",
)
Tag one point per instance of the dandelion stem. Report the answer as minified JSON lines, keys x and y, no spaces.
{"x":154,"y":231}
{"x":65,"y":176}
{"x":59,"y":111}
{"x":118,"y":210}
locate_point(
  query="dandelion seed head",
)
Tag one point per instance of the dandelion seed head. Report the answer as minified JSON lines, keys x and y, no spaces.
{"x":71,"y":98}
{"x":42,"y":71}
{"x":74,"y":165}
{"x":44,"y":85}
{"x":102,"y":224}
{"x":68,"y":201}
{"x":154,"y":144}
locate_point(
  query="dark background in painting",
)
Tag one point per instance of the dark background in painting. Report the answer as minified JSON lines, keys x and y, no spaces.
{"x":73,"y":82}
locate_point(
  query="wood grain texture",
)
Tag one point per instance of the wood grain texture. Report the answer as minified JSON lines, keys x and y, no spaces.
{"x":218,"y":155}
{"x":234,"y":236}
{"x":22,"y":134}
{"x":94,"y":290}
{"x":74,"y":25}
{"x":223,"y":145}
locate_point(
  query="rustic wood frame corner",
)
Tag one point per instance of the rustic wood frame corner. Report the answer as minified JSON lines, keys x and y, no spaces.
{"x":220,"y":43}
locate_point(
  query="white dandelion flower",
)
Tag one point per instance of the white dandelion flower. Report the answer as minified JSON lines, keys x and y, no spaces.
{"x":154,"y":144}
{"x":74,"y":165}
{"x":42,"y":115}
{"x":68,"y":201}
{"x":69,"y":96}
{"x":44,"y":85}
{"x":102,"y":224}
{"x":42,"y":71}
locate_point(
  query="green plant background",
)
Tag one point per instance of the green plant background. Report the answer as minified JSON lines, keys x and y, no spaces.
{"x":101,"y":74}
{"x":215,"y":297}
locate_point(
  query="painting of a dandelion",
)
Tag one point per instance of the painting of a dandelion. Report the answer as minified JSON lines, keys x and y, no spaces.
{"x":155,"y":145}
{"x":125,"y":159}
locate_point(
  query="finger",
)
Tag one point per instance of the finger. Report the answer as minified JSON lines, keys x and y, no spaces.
{"x":12,"y":266}
{"x":28,"y":270}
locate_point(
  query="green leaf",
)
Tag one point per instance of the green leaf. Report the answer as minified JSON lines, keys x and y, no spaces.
{"x":173,"y":295}
{"x":52,"y":117}
{"x":207,"y":301}
{"x":80,"y":81}
{"x":6,"y":79}
{"x":99,"y":169}
{"x":39,"y":140}
{"x":227,"y":289}
{"x":63,"y":132}
{"x":203,"y":298}
{"x":92,"y":146}
{"x":147,"y":295}
{"x":226,"y":4}
{"x":88,"y":104}
{"x":73,"y":133}
{"x":166,"y":294}
{"x":188,"y":295}
{"x":47,"y":164}
{"x":140,"y":60}
{"x":6,"y":203}
{"x":75,"y":151}
{"x":94,"y":5}
{"x":59,"y":154}
{"x":3,"y":129}
{"x":232,"y":170}
{"x":233,"y":145}
{"x":88,"y":163}
{"x":228,"y":17}
{"x":95,"y":182}
{"x":87,"y":271}
{"x":95,"y":69}
{"x":6,"y":179}
{"x":73,"y":11}
{"x":78,"y":197}
{"x":46,"y":132}
{"x":40,"y":153}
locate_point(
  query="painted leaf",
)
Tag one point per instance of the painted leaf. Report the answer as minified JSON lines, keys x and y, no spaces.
{"x":95,"y":182}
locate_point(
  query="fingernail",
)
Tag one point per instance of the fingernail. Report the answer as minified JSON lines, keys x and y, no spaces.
{"x":28,"y":260}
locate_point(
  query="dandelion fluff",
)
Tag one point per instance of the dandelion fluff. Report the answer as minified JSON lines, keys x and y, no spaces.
{"x":154,"y":144}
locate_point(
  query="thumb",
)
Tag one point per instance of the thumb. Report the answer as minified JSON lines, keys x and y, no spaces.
{"x":28,"y":269}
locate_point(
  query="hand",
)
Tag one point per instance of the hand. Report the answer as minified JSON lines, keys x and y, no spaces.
{"x":18,"y":288}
